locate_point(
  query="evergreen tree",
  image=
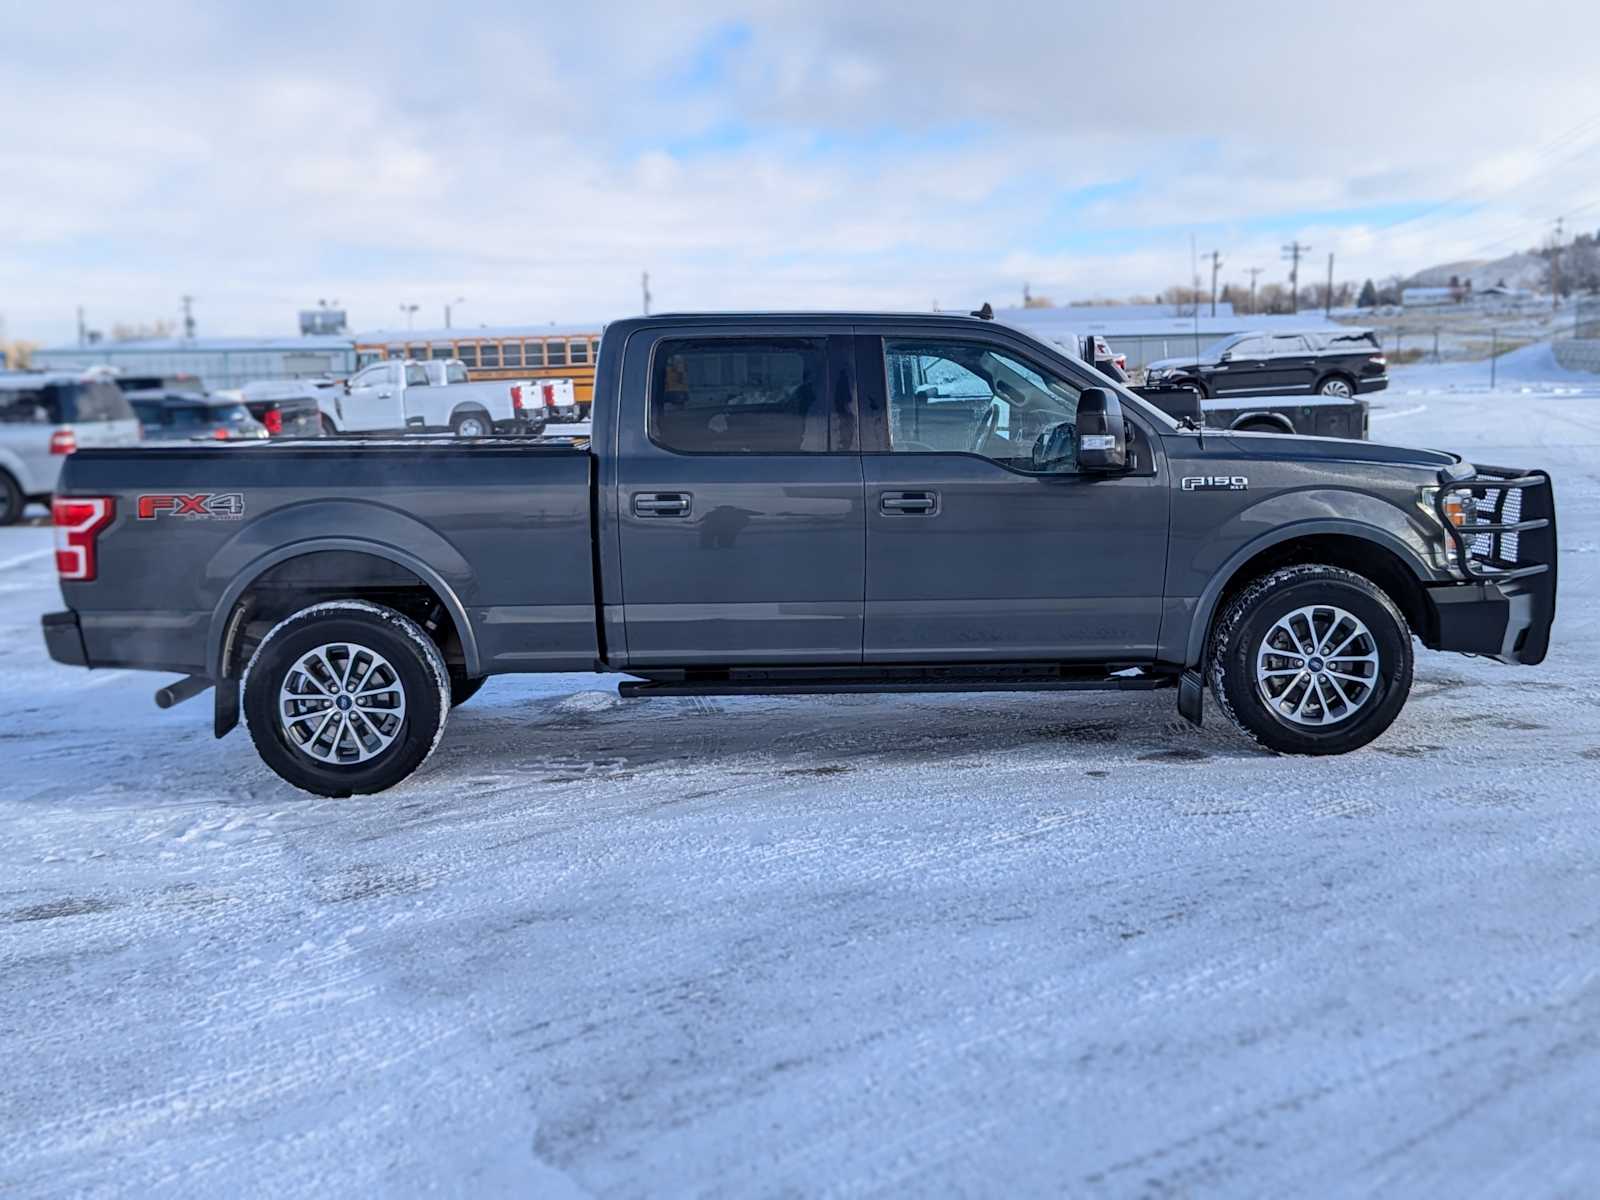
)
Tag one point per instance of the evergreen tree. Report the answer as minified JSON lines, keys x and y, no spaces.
{"x":1368,"y":297}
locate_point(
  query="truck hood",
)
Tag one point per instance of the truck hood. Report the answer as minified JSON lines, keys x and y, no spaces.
{"x":1298,"y":446}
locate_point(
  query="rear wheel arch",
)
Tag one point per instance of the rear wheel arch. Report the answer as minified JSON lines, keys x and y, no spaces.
{"x":1264,"y":422}
{"x":1371,"y":553}
{"x":286,"y":580}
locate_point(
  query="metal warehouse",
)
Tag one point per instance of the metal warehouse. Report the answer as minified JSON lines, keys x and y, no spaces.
{"x":218,"y":362}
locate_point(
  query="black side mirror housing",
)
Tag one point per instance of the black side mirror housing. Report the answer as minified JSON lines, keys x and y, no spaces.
{"x":1179,"y":403}
{"x":1102,"y":435}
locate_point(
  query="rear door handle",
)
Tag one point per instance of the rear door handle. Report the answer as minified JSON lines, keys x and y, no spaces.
{"x":662,"y":504}
{"x":908,"y":504}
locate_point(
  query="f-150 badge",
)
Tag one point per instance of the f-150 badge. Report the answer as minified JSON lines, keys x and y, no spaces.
{"x":1216,"y":483}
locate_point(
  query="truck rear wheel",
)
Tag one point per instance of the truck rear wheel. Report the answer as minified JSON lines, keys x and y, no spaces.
{"x":472,"y":423}
{"x":346,"y":698}
{"x":1311,"y":660}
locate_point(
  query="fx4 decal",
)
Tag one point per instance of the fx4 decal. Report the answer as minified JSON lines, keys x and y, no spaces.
{"x":221,"y":506}
{"x":1216,"y":483}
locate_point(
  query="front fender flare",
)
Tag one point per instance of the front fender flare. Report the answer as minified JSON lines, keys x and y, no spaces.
{"x":1205,"y":607}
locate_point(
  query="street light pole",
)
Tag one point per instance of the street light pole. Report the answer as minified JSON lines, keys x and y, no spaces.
{"x":410,"y":311}
{"x":447,"y":307}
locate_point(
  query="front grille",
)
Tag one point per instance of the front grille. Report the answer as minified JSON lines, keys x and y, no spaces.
{"x":1508,"y":509}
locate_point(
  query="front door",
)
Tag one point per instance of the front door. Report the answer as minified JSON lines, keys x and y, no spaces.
{"x":739,"y":500}
{"x":974,"y":552}
{"x":1245,"y":372}
{"x":375,"y":398}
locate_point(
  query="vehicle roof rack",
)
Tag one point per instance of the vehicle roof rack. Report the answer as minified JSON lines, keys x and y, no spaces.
{"x":986,"y":313}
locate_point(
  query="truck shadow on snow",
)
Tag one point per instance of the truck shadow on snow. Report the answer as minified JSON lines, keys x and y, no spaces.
{"x":597,"y":734}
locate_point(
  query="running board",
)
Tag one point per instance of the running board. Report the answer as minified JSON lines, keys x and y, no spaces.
{"x":949,"y":681}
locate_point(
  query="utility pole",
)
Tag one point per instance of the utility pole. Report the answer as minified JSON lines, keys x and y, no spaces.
{"x":188,"y":318}
{"x":448,"y":307}
{"x":1254,"y":271}
{"x":410,"y":311}
{"x":1216,"y":265}
{"x":644,"y":287}
{"x":1555,"y":268}
{"x":1327,"y":310}
{"x":82,"y":334}
{"x":1292,"y":253}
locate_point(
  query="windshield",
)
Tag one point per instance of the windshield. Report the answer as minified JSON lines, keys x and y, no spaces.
{"x":1215,"y":349}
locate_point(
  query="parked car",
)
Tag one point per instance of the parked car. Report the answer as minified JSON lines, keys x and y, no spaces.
{"x":1341,"y":363}
{"x":287,"y":407}
{"x":541,"y":400}
{"x":397,"y":396}
{"x":783,"y":504}
{"x":183,"y":416}
{"x":46,"y":416}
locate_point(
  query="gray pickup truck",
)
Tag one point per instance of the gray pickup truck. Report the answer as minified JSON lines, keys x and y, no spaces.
{"x":781,"y":504}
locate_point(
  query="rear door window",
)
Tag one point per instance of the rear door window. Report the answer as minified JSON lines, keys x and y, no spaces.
{"x":416,"y":375}
{"x":742,"y":396}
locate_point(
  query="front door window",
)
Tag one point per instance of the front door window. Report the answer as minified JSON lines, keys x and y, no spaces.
{"x":970,"y":398}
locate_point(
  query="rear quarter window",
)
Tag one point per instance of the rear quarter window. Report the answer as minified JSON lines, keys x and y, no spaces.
{"x":31,"y":406}
{"x":100,"y":400}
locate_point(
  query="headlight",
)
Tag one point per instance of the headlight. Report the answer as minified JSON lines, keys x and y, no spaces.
{"x":1460,"y":509}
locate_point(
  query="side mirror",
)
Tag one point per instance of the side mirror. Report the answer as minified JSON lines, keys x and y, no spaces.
{"x":1177,"y":402}
{"x":1225,"y":356}
{"x":1102,"y":436}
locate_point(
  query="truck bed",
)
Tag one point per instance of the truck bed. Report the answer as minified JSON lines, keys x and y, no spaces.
{"x":500,"y":531}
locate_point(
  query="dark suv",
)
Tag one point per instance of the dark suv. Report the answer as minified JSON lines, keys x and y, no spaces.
{"x":1339,"y":362}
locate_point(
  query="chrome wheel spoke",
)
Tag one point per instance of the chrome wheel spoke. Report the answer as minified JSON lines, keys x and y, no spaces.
{"x":1303,"y":658}
{"x":341,"y":704}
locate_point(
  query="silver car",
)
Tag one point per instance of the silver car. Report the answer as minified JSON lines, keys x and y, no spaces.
{"x":44,"y":418}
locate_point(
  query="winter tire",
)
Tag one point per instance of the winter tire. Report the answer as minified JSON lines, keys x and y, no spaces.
{"x":346,"y":698}
{"x":1311,"y":660}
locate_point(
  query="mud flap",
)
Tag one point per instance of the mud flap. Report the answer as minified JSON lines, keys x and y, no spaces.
{"x":226,"y":713}
{"x":1191,"y":698}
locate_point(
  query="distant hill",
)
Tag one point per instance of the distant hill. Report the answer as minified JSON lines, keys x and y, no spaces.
{"x":1520,"y":270}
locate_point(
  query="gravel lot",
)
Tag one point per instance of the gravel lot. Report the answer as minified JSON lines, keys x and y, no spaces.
{"x":1011,"y":945}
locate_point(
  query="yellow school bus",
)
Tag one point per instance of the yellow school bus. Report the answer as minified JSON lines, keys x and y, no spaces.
{"x":522,"y":352}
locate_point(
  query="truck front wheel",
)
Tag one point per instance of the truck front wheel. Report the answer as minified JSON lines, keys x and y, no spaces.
{"x":346,"y":698}
{"x":1311,"y":660}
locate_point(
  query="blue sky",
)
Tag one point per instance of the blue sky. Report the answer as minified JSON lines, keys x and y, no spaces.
{"x":535,"y":160}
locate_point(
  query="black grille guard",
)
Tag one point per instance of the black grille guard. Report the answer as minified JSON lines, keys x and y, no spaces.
{"x":1510,"y":544}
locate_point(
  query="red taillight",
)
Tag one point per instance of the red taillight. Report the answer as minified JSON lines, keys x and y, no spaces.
{"x":63,"y":441}
{"x":549,"y":395}
{"x":273,"y":420}
{"x":78,"y":521}
{"x":516,"y":396}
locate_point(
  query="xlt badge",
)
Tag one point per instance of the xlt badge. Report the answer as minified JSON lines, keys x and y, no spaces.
{"x":1216,"y":483}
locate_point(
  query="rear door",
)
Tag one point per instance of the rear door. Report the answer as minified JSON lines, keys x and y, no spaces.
{"x":28,"y":417}
{"x":740,"y":504}
{"x":973,"y":552}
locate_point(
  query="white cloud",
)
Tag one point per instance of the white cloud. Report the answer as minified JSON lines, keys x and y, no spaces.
{"x":535,"y":159}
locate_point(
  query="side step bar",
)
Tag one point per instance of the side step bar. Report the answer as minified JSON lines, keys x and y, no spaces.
{"x":774,"y":684}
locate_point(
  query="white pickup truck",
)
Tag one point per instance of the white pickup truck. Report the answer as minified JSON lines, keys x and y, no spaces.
{"x":414,"y":396}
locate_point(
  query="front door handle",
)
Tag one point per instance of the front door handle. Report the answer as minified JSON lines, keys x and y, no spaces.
{"x":908,"y":504}
{"x":662,"y":504}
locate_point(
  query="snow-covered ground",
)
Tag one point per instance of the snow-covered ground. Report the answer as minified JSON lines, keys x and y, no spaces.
{"x":998,"y":945}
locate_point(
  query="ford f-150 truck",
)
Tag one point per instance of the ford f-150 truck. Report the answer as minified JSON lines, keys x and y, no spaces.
{"x":782,"y":504}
